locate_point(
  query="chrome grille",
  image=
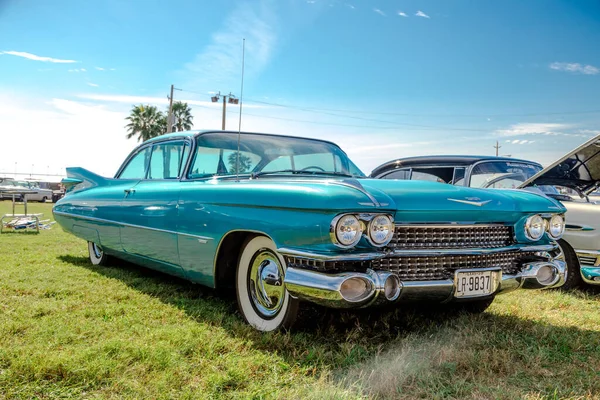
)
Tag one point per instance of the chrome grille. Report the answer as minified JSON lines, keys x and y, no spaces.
{"x":419,"y":268}
{"x":443,"y":267}
{"x":451,"y":236}
{"x":587,"y":260}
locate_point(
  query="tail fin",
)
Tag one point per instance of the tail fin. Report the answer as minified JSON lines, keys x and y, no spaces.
{"x":80,"y":178}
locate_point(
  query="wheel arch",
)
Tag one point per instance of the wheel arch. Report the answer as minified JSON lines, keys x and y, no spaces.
{"x":228,"y":254}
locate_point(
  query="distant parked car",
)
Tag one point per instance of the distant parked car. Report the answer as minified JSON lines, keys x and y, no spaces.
{"x":576,"y":172}
{"x":36,"y":192}
{"x":283,"y":219}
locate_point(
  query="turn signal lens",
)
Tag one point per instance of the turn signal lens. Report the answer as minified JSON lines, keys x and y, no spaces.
{"x":556,"y":227}
{"x":535,"y":227}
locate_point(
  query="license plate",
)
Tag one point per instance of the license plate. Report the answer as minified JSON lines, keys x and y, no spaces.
{"x":476,"y":283}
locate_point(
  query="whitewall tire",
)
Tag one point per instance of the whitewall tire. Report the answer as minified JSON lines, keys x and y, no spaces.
{"x":97,"y":254}
{"x":261,"y":295}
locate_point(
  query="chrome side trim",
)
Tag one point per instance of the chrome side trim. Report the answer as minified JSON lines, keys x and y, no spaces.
{"x":588,"y":253}
{"x":64,"y":214}
{"x":398,"y":253}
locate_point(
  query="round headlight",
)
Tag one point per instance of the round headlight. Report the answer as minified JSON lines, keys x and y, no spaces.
{"x":348,"y":230}
{"x":556,"y":227}
{"x":381,"y":230}
{"x":535,"y":227}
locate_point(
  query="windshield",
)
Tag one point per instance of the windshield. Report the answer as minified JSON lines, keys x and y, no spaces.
{"x":502,"y":174}
{"x":217,"y":155}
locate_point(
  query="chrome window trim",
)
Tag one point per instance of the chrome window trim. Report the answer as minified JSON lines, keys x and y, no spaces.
{"x":94,"y":219}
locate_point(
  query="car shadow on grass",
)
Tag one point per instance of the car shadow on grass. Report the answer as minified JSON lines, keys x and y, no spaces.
{"x":400,"y":348}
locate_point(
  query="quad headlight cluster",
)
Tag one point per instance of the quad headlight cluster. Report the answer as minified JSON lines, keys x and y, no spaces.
{"x":347,"y":229}
{"x":536,"y":226}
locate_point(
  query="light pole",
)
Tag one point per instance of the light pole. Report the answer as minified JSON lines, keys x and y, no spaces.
{"x":170,"y":114}
{"x":231,"y":99}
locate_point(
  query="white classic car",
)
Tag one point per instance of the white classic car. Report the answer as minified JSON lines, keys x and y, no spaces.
{"x":31,"y":189}
{"x":577,"y":171}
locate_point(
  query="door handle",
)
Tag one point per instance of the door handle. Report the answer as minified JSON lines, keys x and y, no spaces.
{"x":129,"y":191}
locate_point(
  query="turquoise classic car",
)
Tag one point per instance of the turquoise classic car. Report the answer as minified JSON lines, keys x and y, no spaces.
{"x":286,"y":219}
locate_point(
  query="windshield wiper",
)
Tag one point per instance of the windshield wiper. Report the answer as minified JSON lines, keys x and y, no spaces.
{"x":299,"y":172}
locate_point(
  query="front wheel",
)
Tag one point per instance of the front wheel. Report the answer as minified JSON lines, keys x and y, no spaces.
{"x":261,"y":295}
{"x":97,"y":254}
{"x":573,"y":270}
{"x":44,"y":199}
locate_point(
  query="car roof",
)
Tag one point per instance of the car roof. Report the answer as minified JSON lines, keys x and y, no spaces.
{"x":201,"y":132}
{"x":450,"y":160}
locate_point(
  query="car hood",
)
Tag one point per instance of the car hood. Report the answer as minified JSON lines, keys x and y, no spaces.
{"x":378,"y":195}
{"x":578,"y":170}
{"x":423,"y":196}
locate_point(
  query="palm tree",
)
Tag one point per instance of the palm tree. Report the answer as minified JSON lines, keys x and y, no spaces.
{"x":182,"y":114}
{"x":145,"y":122}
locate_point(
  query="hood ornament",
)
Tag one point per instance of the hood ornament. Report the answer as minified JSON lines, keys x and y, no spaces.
{"x":474,"y":201}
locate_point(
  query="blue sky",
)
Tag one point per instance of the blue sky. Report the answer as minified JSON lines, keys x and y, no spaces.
{"x":382,"y":78}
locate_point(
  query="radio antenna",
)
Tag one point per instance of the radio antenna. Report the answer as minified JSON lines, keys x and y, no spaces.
{"x":237,"y":163}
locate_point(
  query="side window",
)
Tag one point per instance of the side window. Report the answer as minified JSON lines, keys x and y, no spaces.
{"x":424,"y":176}
{"x":136,"y":168}
{"x":210,"y":161}
{"x":459,"y":176}
{"x":398,"y":174}
{"x":165,"y":160}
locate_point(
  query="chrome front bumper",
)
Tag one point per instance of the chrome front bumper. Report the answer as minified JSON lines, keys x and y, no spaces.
{"x":331,"y":289}
{"x":589,"y":260}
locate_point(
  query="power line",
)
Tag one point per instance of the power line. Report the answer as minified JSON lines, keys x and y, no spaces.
{"x":362,"y":126}
{"x":311,"y":109}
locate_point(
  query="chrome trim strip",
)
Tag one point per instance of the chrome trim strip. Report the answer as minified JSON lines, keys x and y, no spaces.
{"x":360,"y":188}
{"x":449,"y":226}
{"x":398,"y":253}
{"x":129,"y":225}
{"x":588,"y":253}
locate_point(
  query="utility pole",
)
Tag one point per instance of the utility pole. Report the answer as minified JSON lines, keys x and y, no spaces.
{"x":497,"y":147}
{"x":231,"y":99}
{"x":170,"y":115}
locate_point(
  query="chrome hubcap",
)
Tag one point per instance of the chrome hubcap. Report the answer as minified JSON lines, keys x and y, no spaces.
{"x":97,"y":250}
{"x":265,"y":283}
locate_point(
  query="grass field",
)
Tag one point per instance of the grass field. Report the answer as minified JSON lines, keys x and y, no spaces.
{"x":69,"y":329}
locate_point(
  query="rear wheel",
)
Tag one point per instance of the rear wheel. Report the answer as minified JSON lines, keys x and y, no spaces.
{"x":261,"y":295}
{"x":573,"y":269}
{"x":474,"y":306}
{"x":97,"y":254}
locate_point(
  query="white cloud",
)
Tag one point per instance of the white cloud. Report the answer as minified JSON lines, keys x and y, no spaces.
{"x":83,"y":70}
{"x":73,"y":124}
{"x":92,"y":84}
{"x":99,"y":68}
{"x":402,"y":14}
{"x":421,"y":14}
{"x":77,"y":70}
{"x":219,"y":64}
{"x":378,"y":11}
{"x":533,"y":129}
{"x":350,"y":6}
{"x":34,"y":57}
{"x":575,"y":68}
{"x":113,"y":69}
